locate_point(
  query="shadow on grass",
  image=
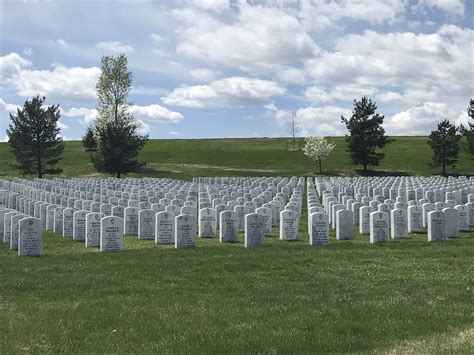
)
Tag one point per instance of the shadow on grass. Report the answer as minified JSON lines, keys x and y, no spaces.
{"x":369,"y":172}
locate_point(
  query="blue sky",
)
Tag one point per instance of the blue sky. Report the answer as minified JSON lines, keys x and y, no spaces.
{"x":243,"y":69}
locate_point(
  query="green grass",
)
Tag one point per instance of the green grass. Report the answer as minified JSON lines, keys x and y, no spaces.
{"x":183,"y":159}
{"x":349,"y":296}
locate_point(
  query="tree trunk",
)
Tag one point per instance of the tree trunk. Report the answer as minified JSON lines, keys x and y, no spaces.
{"x":320,"y":166}
{"x":40,"y":168}
{"x":365,"y":167}
{"x":118,"y":174}
{"x":444,"y":168}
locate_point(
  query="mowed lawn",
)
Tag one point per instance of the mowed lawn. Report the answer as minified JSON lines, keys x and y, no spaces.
{"x":183,"y":159}
{"x":349,"y":296}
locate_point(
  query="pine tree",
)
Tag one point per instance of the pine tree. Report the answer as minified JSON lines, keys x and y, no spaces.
{"x":119,"y":140}
{"x":34,"y":138}
{"x":445,"y":145}
{"x":366,"y":133}
{"x":89,"y":141}
{"x":469,"y":131}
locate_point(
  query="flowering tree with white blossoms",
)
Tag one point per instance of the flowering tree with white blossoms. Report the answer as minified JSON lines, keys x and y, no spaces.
{"x":318,"y":149}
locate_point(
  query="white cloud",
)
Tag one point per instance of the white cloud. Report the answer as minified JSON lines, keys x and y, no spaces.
{"x":215,"y":5}
{"x":86,"y":115}
{"x":143,"y":127}
{"x":156,"y":113}
{"x":234,"y":91}
{"x":61,"y":82}
{"x":10,"y":108}
{"x":321,"y":121}
{"x":62,"y":125}
{"x":260,"y":39}
{"x":455,"y":7}
{"x":174,"y":133}
{"x":318,"y":15}
{"x":203,"y":74}
{"x":11,"y":64}
{"x":115,"y":47}
{"x":422,"y":119}
{"x":317,"y":95}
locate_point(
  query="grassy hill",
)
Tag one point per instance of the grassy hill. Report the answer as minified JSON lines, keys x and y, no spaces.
{"x":252,"y":157}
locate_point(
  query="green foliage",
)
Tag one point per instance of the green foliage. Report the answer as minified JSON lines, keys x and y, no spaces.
{"x":445,"y":143}
{"x":365,"y":133}
{"x":119,"y":145}
{"x":89,"y":141}
{"x":469,"y":130}
{"x":119,"y":140}
{"x":34,"y":139}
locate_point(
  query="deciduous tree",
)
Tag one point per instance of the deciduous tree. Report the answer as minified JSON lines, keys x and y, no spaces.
{"x":119,"y":140}
{"x":318,"y":149}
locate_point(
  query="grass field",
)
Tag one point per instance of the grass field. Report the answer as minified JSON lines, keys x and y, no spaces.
{"x":406,"y":296}
{"x":183,"y":159}
{"x":349,"y":296}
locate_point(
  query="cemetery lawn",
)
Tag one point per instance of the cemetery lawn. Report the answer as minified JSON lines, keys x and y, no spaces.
{"x":186,"y":158}
{"x":348,"y":296}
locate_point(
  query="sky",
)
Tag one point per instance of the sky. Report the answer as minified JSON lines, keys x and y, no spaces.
{"x":219,"y":68}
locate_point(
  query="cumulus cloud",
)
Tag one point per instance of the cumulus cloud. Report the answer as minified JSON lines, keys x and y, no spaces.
{"x":260,"y":38}
{"x":10,"y":108}
{"x":156,"y":113}
{"x":152,"y":113}
{"x":234,"y":91}
{"x":318,"y":15}
{"x":422,"y":119}
{"x":322,"y":121}
{"x":86,"y":115}
{"x":115,"y":47}
{"x":311,"y":120}
{"x":143,"y":127}
{"x":62,"y":125}
{"x":60,"y":82}
{"x":454,"y":7}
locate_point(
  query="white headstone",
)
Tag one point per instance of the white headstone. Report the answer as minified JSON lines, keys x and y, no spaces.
{"x":254,"y":230}
{"x":185,"y":231}
{"x":146,"y":224}
{"x":228,"y":231}
{"x":399,"y":224}
{"x":111,"y":234}
{"x":319,"y":232}
{"x":30,"y":236}
{"x":436,"y":226}
{"x":93,"y":229}
{"x":164,"y":230}
{"x":344,"y":225}
{"x":379,"y":226}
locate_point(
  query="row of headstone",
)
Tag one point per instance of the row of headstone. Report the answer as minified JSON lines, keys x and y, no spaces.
{"x":350,"y":202}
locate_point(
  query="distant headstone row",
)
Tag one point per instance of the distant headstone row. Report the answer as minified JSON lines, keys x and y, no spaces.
{"x":99,"y":212}
{"x":391,"y":207}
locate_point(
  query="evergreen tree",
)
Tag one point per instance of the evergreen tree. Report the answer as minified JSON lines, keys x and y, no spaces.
{"x":365,"y":133}
{"x":34,"y":139}
{"x":445,"y":145}
{"x":119,"y":140}
{"x":469,"y":130}
{"x":89,"y":141}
